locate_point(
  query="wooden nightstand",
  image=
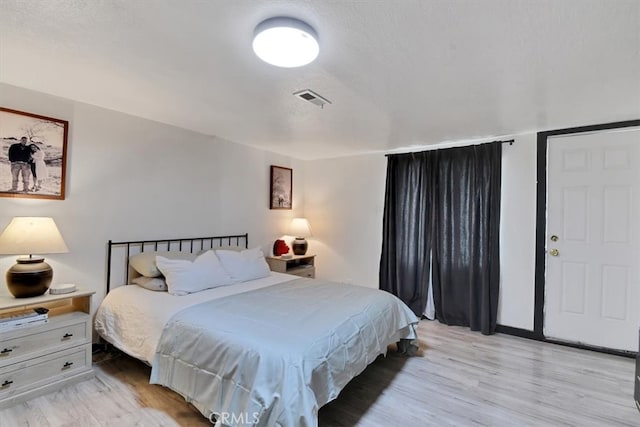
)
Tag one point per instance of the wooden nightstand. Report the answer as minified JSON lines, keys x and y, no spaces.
{"x":40,"y":359}
{"x":298,"y":265}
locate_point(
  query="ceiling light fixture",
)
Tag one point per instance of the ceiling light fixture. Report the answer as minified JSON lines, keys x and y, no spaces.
{"x":285,"y":42}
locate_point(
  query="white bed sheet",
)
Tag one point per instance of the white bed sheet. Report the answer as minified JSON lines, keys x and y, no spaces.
{"x":132,"y":318}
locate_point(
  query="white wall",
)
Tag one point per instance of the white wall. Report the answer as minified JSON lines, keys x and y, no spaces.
{"x":518,"y":233}
{"x":130,"y":178}
{"x":344,"y":201}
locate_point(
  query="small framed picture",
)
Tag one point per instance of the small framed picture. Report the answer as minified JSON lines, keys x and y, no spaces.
{"x":281,"y":189}
{"x":33,"y":155}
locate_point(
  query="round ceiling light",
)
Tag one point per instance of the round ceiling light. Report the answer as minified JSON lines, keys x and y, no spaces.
{"x":285,"y":42}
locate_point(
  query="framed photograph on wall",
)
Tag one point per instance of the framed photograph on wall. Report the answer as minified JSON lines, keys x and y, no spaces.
{"x":33,"y":155}
{"x":281,"y":188}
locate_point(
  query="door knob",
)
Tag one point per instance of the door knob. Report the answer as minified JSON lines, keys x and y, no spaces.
{"x":554,"y":252}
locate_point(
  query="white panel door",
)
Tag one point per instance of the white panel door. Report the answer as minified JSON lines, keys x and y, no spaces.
{"x":592,"y":282}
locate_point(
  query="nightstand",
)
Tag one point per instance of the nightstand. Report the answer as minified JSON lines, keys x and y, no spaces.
{"x":39,"y":359}
{"x":298,"y":265}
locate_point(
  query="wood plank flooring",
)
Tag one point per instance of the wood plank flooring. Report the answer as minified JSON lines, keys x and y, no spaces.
{"x":461,"y":378}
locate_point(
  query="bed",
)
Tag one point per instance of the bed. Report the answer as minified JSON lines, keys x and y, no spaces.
{"x":267,"y":351}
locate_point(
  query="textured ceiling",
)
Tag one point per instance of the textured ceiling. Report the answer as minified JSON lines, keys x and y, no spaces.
{"x":399,"y":73}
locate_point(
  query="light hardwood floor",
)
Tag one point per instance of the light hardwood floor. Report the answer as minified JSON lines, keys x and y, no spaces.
{"x":461,"y":378}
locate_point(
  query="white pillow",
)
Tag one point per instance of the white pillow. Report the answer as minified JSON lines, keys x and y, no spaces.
{"x":226,"y":248}
{"x":145,"y":262}
{"x":185,"y":277}
{"x":151,"y":283}
{"x":245,"y":265}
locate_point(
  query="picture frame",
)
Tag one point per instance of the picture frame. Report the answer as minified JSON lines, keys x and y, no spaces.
{"x":281,"y":188}
{"x":39,"y":171}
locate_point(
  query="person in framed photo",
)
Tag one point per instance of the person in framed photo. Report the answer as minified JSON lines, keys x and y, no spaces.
{"x":281,"y":187}
{"x":33,"y":147}
{"x":20,"y":159}
{"x":38,"y":167}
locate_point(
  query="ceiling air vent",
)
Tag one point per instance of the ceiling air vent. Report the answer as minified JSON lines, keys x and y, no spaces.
{"x":312,"y":97}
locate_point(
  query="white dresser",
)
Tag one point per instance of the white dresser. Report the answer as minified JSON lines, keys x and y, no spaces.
{"x":39,"y":359}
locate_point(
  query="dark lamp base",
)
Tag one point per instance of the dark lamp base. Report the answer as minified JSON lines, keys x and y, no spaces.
{"x":299,"y":246}
{"x":30,"y":277}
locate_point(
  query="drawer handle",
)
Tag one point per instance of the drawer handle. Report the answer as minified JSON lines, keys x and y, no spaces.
{"x":67,"y":336}
{"x":7,"y":383}
{"x":67,"y":365}
{"x":6,"y":351}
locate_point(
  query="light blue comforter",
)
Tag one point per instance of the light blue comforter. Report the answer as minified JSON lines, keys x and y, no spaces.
{"x":274,"y":356}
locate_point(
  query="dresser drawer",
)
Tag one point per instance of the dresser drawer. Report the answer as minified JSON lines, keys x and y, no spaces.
{"x":56,"y":336}
{"x":20,"y":376}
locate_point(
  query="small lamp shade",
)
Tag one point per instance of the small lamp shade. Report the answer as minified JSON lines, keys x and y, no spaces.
{"x":31,"y":276}
{"x":32,"y":235}
{"x":299,"y":228}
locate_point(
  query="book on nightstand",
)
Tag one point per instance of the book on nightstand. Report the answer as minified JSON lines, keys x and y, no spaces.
{"x":36,"y":317}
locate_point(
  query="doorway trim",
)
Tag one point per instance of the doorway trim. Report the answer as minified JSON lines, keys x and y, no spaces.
{"x":541,"y":221}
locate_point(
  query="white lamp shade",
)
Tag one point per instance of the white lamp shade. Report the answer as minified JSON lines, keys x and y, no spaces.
{"x":285,"y":42}
{"x":300,"y":227}
{"x":32,"y":235}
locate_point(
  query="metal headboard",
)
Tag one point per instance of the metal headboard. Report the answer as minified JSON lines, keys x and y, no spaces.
{"x":190,"y":244}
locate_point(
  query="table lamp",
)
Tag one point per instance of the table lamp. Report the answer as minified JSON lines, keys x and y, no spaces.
{"x":31,"y":276}
{"x":299,"y":228}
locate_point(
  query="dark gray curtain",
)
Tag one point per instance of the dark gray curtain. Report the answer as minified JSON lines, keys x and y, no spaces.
{"x":406,"y":241}
{"x":453,"y":212}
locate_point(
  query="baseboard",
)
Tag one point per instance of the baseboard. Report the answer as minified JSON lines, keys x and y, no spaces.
{"x":623,"y":353}
{"x":532,"y":335}
{"x":522,"y":333}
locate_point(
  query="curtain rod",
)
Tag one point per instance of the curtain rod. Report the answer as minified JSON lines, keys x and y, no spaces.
{"x":506,"y":141}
